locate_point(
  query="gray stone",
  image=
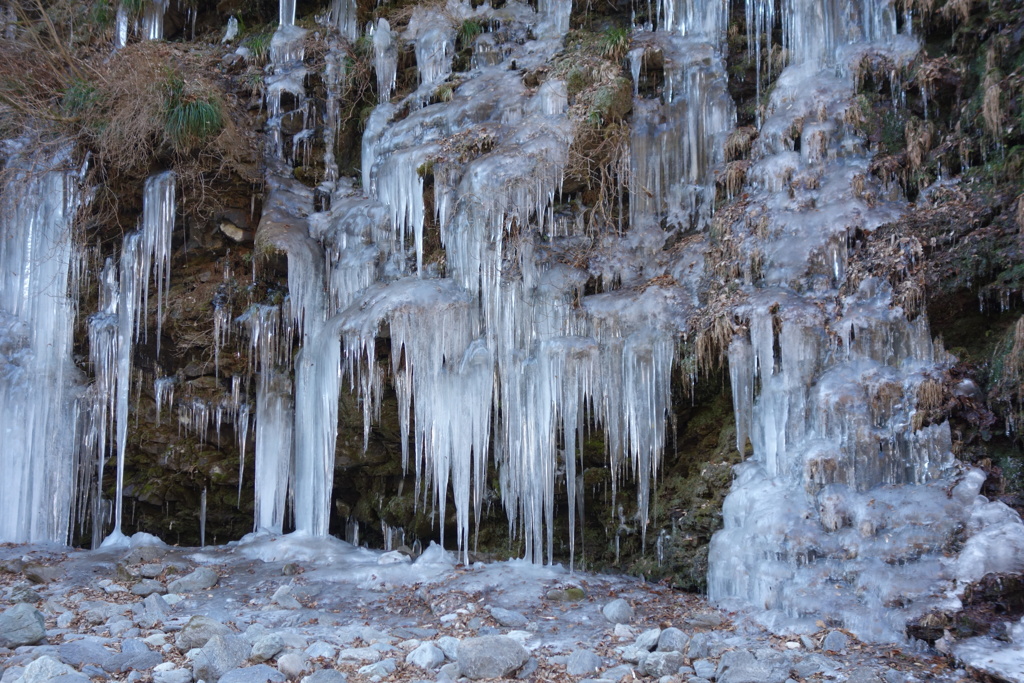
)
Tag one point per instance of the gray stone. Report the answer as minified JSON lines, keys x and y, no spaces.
{"x":199,"y":580}
{"x":24,"y":594}
{"x":740,"y":666}
{"x":808,"y":666}
{"x":618,"y":612}
{"x":449,"y":646}
{"x":220,"y":655}
{"x":836,"y":641}
{"x":20,"y":625}
{"x":673,"y":640}
{"x":865,"y":676}
{"x":198,"y":631}
{"x":359,"y":654}
{"x":426,"y":656}
{"x":582,"y":662}
{"x":151,"y":571}
{"x":124,"y":662}
{"x":261,"y":673}
{"x":44,"y":669}
{"x":148,"y":587}
{"x":134,"y":646}
{"x":704,"y":668}
{"x":704,"y":620}
{"x":291,"y":664}
{"x":321,"y":650}
{"x":73,"y":677}
{"x":85,"y":651}
{"x":659,"y":664}
{"x":698,"y":647}
{"x":648,"y":640}
{"x":616,"y":673}
{"x":451,"y":670}
{"x":172,"y":676}
{"x":808,"y":643}
{"x":490,"y":657}
{"x":266,"y":647}
{"x":39,"y":573}
{"x":526,"y":671}
{"x":381,"y":668}
{"x":508,"y":618}
{"x":633,"y":654}
{"x":326,"y":676}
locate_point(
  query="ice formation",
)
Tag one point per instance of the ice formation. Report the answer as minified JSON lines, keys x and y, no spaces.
{"x":39,"y":384}
{"x":451,"y":272}
{"x":113,"y":331}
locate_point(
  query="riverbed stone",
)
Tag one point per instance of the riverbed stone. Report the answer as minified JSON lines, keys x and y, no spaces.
{"x":660,"y":664}
{"x":198,"y":631}
{"x":648,"y":640}
{"x":509,"y":618}
{"x":673,"y":640}
{"x":582,"y":662}
{"x":261,"y":673}
{"x":266,"y":647}
{"x":148,"y":587}
{"x":490,"y":657}
{"x":426,"y":656}
{"x":199,"y":580}
{"x":836,"y":641}
{"x":221,"y":654}
{"x":618,"y":612}
{"x":20,"y":625}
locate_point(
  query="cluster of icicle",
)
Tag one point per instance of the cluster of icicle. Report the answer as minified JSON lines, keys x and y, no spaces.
{"x":848,"y":506}
{"x":117,"y":326}
{"x":507,"y":326}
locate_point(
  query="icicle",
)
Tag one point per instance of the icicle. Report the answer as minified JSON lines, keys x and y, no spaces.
{"x":153,"y":19}
{"x":38,"y":380}
{"x":385,"y":59}
{"x":232,"y":30}
{"x":286,"y":13}
{"x":120,"y":28}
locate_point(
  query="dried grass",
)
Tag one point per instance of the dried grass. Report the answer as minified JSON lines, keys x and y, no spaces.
{"x":739,"y":142}
{"x":958,"y":10}
{"x":930,"y":395}
{"x":920,"y":139}
{"x":991,"y":111}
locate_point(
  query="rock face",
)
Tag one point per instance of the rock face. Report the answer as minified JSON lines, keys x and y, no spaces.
{"x":22,"y":624}
{"x":490,"y":657}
